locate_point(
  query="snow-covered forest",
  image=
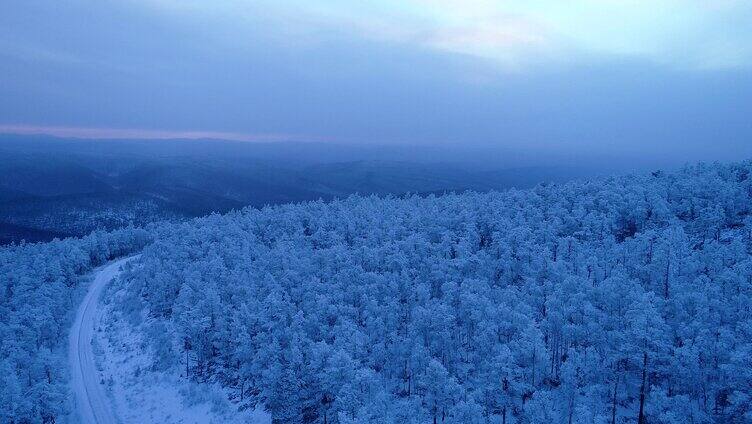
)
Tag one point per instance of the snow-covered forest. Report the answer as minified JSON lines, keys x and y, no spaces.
{"x":40,"y":287}
{"x":376,"y":212}
{"x":622,"y":300}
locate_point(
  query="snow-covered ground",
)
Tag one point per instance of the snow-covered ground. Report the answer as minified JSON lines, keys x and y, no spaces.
{"x":114,"y":380}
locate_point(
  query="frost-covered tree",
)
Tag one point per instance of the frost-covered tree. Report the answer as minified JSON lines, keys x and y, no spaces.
{"x":627,"y":299}
{"x":39,"y":287}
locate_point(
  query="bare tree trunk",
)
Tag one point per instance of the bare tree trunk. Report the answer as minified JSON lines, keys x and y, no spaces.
{"x":641,"y":416}
{"x":665,"y":278}
{"x":533,"y":369}
{"x":187,"y":347}
{"x":613,"y":401}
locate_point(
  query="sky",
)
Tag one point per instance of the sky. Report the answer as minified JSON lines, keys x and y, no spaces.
{"x":621,"y":78}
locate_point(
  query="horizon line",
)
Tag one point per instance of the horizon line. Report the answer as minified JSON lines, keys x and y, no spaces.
{"x":98,"y":133}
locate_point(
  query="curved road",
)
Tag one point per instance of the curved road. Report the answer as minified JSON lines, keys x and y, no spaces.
{"x":92,"y":403}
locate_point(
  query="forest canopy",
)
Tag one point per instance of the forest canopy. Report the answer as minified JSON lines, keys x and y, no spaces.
{"x":621,"y":299}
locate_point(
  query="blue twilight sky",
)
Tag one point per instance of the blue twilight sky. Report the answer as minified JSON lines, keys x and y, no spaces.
{"x":666,"y":78}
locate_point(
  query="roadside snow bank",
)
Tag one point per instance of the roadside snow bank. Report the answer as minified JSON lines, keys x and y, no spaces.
{"x":141,"y":394}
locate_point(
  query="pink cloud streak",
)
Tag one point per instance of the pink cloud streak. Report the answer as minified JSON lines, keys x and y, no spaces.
{"x":131,"y":133}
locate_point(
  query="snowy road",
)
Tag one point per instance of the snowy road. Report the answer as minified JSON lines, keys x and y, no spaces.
{"x":92,"y":403}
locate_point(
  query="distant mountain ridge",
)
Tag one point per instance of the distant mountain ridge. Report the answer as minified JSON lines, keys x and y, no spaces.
{"x":55,"y":187}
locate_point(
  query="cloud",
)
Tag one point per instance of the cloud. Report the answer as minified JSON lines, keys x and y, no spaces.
{"x":418,"y":71}
{"x":692,"y":34}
